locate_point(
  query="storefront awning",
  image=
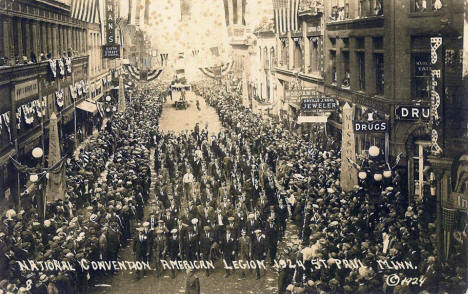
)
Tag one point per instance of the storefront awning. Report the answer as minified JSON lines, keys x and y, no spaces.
{"x":88,"y":107}
{"x":312,"y":119}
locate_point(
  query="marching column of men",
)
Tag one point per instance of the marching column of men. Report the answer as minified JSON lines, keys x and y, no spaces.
{"x":214,"y":199}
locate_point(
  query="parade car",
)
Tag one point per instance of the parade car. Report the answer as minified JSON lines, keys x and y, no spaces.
{"x":178,"y":94}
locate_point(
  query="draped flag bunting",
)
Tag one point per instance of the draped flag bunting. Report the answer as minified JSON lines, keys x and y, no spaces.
{"x":214,"y":51}
{"x":53,"y":68}
{"x":59,"y":97}
{"x":61,"y":67}
{"x":6,"y":120}
{"x":217,"y":72}
{"x":164,"y":58}
{"x":134,"y":72}
{"x":154,"y":74}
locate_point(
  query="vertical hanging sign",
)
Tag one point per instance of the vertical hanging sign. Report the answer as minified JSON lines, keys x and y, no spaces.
{"x":111,"y":49}
{"x":436,"y":96}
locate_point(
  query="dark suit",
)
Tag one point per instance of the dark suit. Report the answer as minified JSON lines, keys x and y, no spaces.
{"x":272,"y":237}
{"x":229,"y":247}
{"x":258,"y":251}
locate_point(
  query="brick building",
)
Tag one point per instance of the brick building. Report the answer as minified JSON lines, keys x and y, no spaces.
{"x":377,"y":57}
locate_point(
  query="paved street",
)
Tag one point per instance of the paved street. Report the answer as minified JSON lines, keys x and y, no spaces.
{"x":179,"y":120}
{"x":125,"y":282}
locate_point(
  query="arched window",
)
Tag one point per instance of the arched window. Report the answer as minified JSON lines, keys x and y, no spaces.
{"x":272,"y":57}
{"x":265,"y":58}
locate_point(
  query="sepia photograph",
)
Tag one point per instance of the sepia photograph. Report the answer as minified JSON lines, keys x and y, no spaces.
{"x":233,"y":146}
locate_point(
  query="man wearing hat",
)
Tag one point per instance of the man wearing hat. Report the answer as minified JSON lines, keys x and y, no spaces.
{"x":233,"y":226}
{"x":272,"y":237}
{"x":191,"y":244}
{"x":229,"y":248}
{"x":258,"y":249}
{"x":140,"y":248}
{"x":245,"y":248}
{"x":173,"y":248}
{"x":160,"y":248}
{"x":251,"y":225}
{"x":207,"y":239}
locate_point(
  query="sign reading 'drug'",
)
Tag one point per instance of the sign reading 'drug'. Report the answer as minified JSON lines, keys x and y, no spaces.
{"x":412,"y":112}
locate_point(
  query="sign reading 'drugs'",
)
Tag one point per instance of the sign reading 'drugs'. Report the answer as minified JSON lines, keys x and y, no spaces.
{"x":318,"y":104}
{"x":412,"y":112}
{"x":375,"y":126}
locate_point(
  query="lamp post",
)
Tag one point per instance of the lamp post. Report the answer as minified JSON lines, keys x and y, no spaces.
{"x":38,"y":180}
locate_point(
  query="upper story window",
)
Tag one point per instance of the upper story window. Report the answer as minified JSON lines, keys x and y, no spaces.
{"x":427,"y":5}
{"x":369,"y":8}
{"x":420,"y":68}
{"x":340,"y":10}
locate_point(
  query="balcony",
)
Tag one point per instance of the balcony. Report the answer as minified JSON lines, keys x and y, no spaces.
{"x":367,"y":9}
{"x":310,"y":8}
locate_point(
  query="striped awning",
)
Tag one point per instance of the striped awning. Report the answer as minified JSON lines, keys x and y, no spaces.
{"x":86,"y":10}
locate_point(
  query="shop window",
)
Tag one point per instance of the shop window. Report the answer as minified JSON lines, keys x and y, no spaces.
{"x":361,"y":70}
{"x":379,"y":73}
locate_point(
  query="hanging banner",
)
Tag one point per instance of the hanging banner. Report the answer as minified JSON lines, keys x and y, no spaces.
{"x":348,"y":177}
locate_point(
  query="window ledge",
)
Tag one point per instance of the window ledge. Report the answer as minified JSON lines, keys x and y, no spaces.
{"x":425,"y":14}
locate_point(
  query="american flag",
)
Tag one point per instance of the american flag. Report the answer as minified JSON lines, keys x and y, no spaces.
{"x":86,"y":10}
{"x":285,"y":13}
{"x":234,"y":11}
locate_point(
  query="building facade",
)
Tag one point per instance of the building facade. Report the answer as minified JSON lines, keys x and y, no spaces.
{"x":398,"y":62}
{"x":49,"y":54}
{"x":263,"y":82}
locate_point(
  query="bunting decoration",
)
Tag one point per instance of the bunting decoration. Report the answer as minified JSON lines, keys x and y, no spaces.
{"x":61,"y":67}
{"x":134,"y":73}
{"x":73,"y":92}
{"x":164,"y":58}
{"x":84,"y":86}
{"x":18,"y":118}
{"x":59,"y":97}
{"x":53,"y":68}
{"x":154,"y":74}
{"x":216,"y":72}
{"x":68,"y":65}
{"x":5,"y":118}
{"x":44,"y":105}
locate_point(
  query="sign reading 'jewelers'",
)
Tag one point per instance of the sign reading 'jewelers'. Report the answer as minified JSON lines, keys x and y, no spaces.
{"x":318,"y":104}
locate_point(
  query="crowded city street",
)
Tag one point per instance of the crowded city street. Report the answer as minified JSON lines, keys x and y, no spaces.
{"x":230,"y":147}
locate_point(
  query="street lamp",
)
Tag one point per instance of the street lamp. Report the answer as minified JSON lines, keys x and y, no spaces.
{"x":37,"y":153}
